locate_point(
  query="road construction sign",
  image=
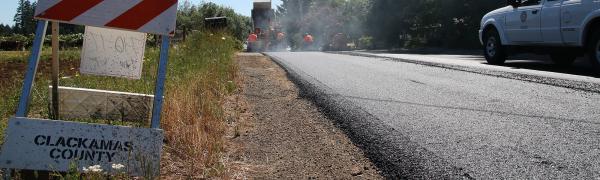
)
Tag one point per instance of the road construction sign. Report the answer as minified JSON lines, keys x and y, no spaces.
{"x":54,"y":145}
{"x":149,"y":16}
{"x":40,"y":144}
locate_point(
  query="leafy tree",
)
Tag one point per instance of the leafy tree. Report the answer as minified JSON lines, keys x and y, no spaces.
{"x":445,"y":23}
{"x":191,"y":17}
{"x":355,"y":12}
{"x":69,"y":29}
{"x":291,"y":15}
{"x":323,"y":19}
{"x":464,"y":21}
{"x":388,"y":23}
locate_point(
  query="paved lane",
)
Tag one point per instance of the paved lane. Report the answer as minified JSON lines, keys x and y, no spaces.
{"x":525,"y":64}
{"x":417,"y":121}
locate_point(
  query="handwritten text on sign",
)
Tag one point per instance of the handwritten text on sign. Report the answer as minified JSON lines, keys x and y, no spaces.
{"x":53,"y":145}
{"x":112,"y":52}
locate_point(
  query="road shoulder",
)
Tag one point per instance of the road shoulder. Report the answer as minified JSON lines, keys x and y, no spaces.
{"x":281,"y":135}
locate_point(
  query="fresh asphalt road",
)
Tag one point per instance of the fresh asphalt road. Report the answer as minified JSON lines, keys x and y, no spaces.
{"x":420,"y":121}
{"x":523,"y":64}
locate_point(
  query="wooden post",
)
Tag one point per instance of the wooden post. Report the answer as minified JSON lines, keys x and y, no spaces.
{"x":55,"y":70}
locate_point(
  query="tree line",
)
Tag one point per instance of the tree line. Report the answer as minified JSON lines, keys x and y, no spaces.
{"x":190,"y":17}
{"x":25,"y":24}
{"x":388,"y":23}
{"x":365,"y":23}
{"x":322,"y":19}
{"x":20,"y":35}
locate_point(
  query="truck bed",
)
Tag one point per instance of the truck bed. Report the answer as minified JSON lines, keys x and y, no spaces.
{"x":262,"y":4}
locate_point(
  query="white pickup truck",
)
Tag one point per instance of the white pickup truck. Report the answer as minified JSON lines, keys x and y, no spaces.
{"x":564,"y":29}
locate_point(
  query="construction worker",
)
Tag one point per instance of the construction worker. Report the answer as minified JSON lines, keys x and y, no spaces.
{"x":252,"y":38}
{"x":280,"y":40}
{"x":268,"y":38}
{"x":308,"y":41}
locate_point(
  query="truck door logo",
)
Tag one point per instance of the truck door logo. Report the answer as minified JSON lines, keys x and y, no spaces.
{"x":567,"y":17}
{"x":523,"y":16}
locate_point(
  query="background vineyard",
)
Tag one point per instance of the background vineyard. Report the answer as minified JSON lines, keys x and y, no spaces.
{"x":190,"y":18}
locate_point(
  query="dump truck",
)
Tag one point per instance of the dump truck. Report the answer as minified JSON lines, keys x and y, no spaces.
{"x":262,"y":19}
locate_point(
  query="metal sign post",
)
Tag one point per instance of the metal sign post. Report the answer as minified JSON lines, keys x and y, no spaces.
{"x":160,"y":82}
{"x":53,"y":145}
{"x":32,"y":68}
{"x":32,"y":65}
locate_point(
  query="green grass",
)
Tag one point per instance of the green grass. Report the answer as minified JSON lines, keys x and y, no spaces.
{"x":22,"y":56}
{"x":183,"y":61}
{"x":201,"y":73}
{"x":11,"y":88}
{"x":10,"y":97}
{"x":11,"y":91}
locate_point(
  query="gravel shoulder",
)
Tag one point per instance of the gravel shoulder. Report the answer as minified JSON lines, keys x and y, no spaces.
{"x":280,"y":135}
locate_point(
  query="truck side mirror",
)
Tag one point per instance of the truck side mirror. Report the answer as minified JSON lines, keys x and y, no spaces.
{"x":514,"y":3}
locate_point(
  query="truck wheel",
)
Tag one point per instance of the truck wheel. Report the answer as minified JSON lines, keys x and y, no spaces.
{"x":594,"y":50}
{"x":493,"y":50}
{"x":563,"y":58}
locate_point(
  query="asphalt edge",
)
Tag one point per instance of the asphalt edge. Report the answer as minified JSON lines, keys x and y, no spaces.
{"x":565,"y":83}
{"x":399,"y":158}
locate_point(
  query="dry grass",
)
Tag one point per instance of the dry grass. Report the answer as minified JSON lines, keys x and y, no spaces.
{"x":200,"y":75}
{"x":193,"y":118}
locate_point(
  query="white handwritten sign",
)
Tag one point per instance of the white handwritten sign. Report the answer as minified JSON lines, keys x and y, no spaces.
{"x":53,"y":145}
{"x":112,"y":52}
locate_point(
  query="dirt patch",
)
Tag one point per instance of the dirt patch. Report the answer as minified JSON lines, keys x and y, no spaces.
{"x":276,"y":134}
{"x":11,"y":71}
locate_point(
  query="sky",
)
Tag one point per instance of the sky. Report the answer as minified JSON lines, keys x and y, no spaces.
{"x":8,"y":8}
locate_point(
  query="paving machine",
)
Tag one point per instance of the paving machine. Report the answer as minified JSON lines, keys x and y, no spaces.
{"x":263,"y":17}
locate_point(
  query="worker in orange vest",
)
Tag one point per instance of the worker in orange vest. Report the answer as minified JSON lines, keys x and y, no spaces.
{"x":252,"y":38}
{"x":308,"y":41}
{"x":280,"y":40}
